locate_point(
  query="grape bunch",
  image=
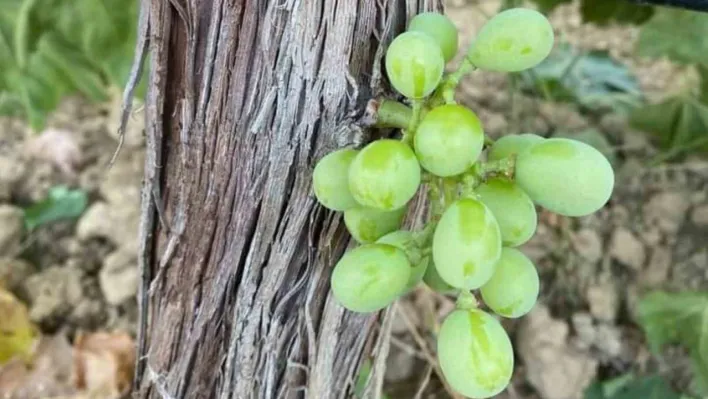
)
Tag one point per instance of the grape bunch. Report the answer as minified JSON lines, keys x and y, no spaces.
{"x":482,"y":195}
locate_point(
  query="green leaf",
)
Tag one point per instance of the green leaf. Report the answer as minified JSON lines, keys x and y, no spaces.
{"x":629,"y":387}
{"x":61,"y":204}
{"x":678,"y":318}
{"x":363,"y":378}
{"x":592,"y":79}
{"x":604,"y":12}
{"x":677,"y":34}
{"x":547,"y":6}
{"x":680,"y":123}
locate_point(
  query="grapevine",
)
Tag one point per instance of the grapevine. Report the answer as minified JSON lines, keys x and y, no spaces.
{"x":483,"y":195}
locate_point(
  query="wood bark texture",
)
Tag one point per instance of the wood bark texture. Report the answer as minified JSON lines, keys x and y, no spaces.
{"x":244,"y":97}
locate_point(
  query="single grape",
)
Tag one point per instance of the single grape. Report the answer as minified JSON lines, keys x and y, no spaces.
{"x":414,"y":64}
{"x":511,"y":41}
{"x":448,"y":140}
{"x":404,"y":240}
{"x":512,"y":208}
{"x":466,"y":244}
{"x":367,"y":225}
{"x":475,"y":353}
{"x":384,"y":175}
{"x":330,"y":180}
{"x":370,"y":277}
{"x":439,"y":28}
{"x":513,"y":289}
{"x":512,"y":144}
{"x":565,"y":176}
{"x":432,"y":279}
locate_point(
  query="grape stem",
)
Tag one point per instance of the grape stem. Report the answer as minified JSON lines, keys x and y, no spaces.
{"x":445,"y":92}
{"x":504,"y":167}
{"x":466,"y":300}
{"x":383,"y":113}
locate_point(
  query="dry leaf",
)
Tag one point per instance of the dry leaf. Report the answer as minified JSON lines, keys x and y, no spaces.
{"x":47,"y":375}
{"x":104,"y":362}
{"x":17,"y":333}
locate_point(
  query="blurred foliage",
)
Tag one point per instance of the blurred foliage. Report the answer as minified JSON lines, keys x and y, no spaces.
{"x":592,"y":79}
{"x":629,"y":386}
{"x":677,"y":34}
{"x":679,"y":318}
{"x":363,"y":378}
{"x":603,"y":12}
{"x":52,"y":48}
{"x":60,"y":204}
{"x":17,"y":333}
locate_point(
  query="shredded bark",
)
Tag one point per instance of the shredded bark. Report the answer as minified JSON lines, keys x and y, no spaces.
{"x":244,"y":97}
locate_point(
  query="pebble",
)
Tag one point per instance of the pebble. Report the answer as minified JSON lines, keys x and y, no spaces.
{"x":119,"y":277}
{"x":603,"y":301}
{"x":667,"y":210}
{"x":11,"y":230}
{"x":627,"y":249}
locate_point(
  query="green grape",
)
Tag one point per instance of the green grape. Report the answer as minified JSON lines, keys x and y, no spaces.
{"x":439,"y":28}
{"x":384,"y":175}
{"x":512,"y":208}
{"x":448,"y":140}
{"x":404,"y":240}
{"x":466,"y":244}
{"x":330,"y":180}
{"x":370,"y":277}
{"x":565,"y":176}
{"x":367,"y":225}
{"x":414,"y":64}
{"x":475,"y":353}
{"x":513,"y":40}
{"x":513,"y":289}
{"x":432,"y":279}
{"x":512,"y":144}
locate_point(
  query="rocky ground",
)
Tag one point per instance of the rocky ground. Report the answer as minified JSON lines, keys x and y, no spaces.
{"x":82,"y":275}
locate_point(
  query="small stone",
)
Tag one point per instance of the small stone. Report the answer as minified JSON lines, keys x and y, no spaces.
{"x":13,"y":273}
{"x":53,"y":293}
{"x":627,"y":249}
{"x":699,"y":216}
{"x":12,"y":220}
{"x":651,"y":236}
{"x":119,"y":277}
{"x":658,"y":269}
{"x":608,"y":339}
{"x":584,"y":328}
{"x":603,"y":301}
{"x":558,"y":370}
{"x":587,"y":243}
{"x":12,"y":168}
{"x":667,"y":210}
{"x":118,"y":224}
{"x":122,"y":182}
{"x":400,"y":365}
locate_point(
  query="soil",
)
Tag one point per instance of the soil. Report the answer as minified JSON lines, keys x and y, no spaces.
{"x":82,"y":275}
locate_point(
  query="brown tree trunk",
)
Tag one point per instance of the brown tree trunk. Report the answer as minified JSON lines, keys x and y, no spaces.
{"x":244,"y":97}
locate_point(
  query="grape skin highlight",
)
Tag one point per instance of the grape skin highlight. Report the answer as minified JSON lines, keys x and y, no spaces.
{"x":475,"y":353}
{"x":512,"y":144}
{"x":466,"y":244}
{"x":330,"y":180}
{"x":370,"y":277}
{"x":414,"y":64}
{"x":511,"y":41}
{"x":367,"y":225}
{"x":404,"y":240}
{"x":513,"y":289}
{"x":449,"y":140}
{"x":384,"y":175}
{"x":512,"y":208}
{"x":439,"y":28}
{"x":565,"y":176}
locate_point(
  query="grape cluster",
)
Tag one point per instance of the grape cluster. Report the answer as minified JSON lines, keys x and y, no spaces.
{"x":482,"y":194}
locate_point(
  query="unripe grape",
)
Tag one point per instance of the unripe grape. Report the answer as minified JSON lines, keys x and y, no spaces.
{"x":475,"y":353}
{"x":414,"y":64}
{"x":513,"y":289}
{"x":448,"y":140}
{"x":367,"y":225}
{"x":384,"y":175}
{"x":330,"y":180}
{"x":512,"y":144}
{"x":565,"y":176}
{"x":370,"y":277}
{"x":512,"y":208}
{"x":432,"y":279}
{"x":466,"y":244}
{"x":511,"y":41}
{"x":404,"y":240}
{"x":439,"y":28}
